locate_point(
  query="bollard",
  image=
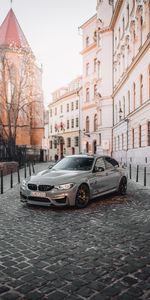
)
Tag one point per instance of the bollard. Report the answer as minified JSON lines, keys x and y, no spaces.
{"x":29,"y":169}
{"x":2,"y":190}
{"x":130,"y":175}
{"x":11,"y":179}
{"x":18,"y":175}
{"x":144,"y":176}
{"x":25,"y":171}
{"x":137,"y":173}
{"x":33,"y":167}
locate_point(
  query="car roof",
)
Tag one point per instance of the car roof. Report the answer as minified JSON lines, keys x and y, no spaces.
{"x":87,"y":155}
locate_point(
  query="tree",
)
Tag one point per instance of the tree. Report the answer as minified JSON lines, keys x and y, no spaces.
{"x":17,"y":96}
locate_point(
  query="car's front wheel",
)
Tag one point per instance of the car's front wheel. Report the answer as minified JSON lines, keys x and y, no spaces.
{"x":123,"y":186}
{"x":82,"y":196}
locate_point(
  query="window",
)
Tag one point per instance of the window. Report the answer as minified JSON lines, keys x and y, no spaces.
{"x":67,"y":124}
{"x":132,"y":137}
{"x":115,"y":143}
{"x":61,"y":109}
{"x":122,"y":141}
{"x":87,"y":41}
{"x":141,"y":89}
{"x":100,"y":163}
{"x":77,"y":104}
{"x":140,"y":135}
{"x":134,"y":95}
{"x":51,"y":145}
{"x":76,"y":141}
{"x":123,"y":26}
{"x":87,"y":125}
{"x":124,"y":108}
{"x":111,"y":162}
{"x":77,"y":122}
{"x":67,"y":107}
{"x":118,"y":142}
{"x":68,"y":142}
{"x":100,"y":139}
{"x":100,"y":117}
{"x":129,"y":104}
{"x":127,"y":13}
{"x":95,"y":122}
{"x":95,"y":90}
{"x":99,"y":69}
{"x":87,"y":69}
{"x":72,"y":123}
{"x":95,"y":63}
{"x":141,"y":29}
{"x":119,"y":34}
{"x":72,"y":106}
{"x":87,"y":95}
{"x":148,"y":133}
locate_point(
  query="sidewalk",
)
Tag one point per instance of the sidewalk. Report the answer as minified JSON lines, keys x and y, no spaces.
{"x":139,"y":180}
{"x":7,"y":179}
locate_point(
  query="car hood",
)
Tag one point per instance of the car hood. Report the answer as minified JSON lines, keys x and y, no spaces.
{"x":54,"y":177}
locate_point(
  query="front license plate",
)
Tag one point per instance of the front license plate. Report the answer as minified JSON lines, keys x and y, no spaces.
{"x":38,"y":194}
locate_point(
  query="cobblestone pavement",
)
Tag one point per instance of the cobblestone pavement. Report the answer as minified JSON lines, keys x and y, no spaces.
{"x":98,"y":253}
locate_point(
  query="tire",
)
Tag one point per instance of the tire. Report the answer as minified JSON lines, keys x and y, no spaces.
{"x":123,"y":186}
{"x":82,"y":196}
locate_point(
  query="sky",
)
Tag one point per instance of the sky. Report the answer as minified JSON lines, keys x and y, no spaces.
{"x":51,"y":29}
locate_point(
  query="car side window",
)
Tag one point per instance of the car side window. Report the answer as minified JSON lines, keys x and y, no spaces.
{"x":111,"y":162}
{"x":100,"y":163}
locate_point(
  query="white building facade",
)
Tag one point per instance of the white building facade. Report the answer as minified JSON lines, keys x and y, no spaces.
{"x":131,"y":76}
{"x":65,"y":120}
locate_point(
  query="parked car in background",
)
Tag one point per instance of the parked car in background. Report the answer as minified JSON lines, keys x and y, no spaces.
{"x":74,"y":180}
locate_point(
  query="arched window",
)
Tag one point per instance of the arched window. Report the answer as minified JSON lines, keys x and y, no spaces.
{"x":95,"y":122}
{"x":141,"y":30}
{"x":87,"y":125}
{"x":141,"y":89}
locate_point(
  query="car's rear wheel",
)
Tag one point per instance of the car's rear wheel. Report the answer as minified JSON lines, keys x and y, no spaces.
{"x":82,"y":196}
{"x":123,"y":186}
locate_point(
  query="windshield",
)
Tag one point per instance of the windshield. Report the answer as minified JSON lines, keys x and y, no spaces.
{"x":75,"y":163}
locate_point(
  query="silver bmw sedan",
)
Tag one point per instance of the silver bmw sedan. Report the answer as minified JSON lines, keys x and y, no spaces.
{"x":73,"y":181}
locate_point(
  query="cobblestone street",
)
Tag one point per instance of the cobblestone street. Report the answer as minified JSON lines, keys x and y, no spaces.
{"x":101,"y":252}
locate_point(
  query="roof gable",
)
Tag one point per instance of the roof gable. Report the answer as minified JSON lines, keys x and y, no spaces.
{"x":11,"y":33}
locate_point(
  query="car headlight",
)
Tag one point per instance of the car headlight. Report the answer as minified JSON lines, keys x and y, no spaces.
{"x":24,"y":184}
{"x":66,"y":186}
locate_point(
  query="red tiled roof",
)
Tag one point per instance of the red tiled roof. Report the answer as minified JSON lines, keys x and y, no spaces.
{"x":11,"y":33}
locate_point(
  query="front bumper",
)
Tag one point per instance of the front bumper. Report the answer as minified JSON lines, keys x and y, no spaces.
{"x":51,"y":198}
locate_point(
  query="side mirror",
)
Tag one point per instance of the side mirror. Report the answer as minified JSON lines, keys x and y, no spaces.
{"x":98,"y":169}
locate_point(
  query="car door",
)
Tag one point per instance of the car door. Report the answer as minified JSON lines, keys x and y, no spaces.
{"x":112,"y":172}
{"x":99,"y":181}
